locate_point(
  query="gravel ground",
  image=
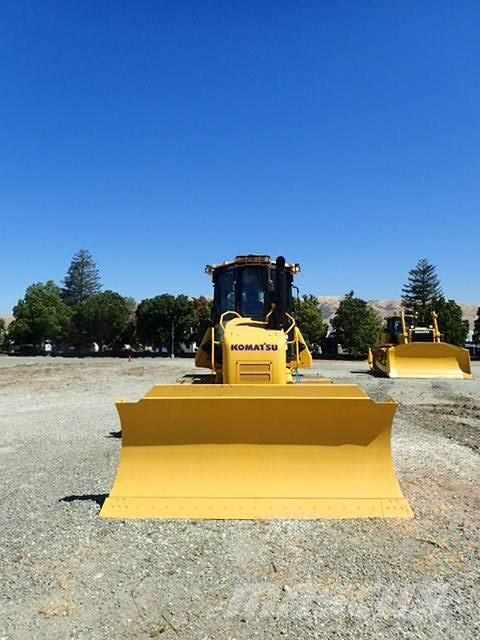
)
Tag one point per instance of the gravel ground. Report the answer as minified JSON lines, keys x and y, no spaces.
{"x":67,"y":574}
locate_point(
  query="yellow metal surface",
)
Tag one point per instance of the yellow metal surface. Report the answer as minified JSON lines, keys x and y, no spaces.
{"x":204,"y":357}
{"x":304,"y":357}
{"x":252,"y":353}
{"x":423,"y":360}
{"x":256,"y":451}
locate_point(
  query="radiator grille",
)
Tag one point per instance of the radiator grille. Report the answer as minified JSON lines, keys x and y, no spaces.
{"x":249,"y":372}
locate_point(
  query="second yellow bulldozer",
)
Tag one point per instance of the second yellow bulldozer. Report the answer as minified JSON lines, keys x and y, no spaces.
{"x":254,"y":439}
{"x":413,"y":349}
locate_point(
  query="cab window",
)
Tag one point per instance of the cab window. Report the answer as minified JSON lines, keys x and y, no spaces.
{"x":253,"y":287}
{"x":224,"y":296}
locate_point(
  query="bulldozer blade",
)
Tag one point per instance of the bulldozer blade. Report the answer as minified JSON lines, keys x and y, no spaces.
{"x":256,"y":452}
{"x":425,"y":360}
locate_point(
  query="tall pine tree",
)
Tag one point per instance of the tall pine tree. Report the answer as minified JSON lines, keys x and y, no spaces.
{"x":476,"y":328}
{"x":82,"y":279}
{"x":422,"y":287}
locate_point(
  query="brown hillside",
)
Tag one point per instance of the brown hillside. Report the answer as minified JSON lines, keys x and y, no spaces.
{"x":329,"y":304}
{"x":7,"y":319}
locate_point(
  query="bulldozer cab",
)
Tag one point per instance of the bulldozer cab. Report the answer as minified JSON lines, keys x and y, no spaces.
{"x":249,"y":286}
{"x":394,"y":328}
{"x":404,"y":329}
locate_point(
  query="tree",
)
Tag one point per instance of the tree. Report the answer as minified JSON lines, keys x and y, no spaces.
{"x":203,"y":317}
{"x":453,"y":328}
{"x":104,"y":317}
{"x":422,"y":287}
{"x":476,"y":328}
{"x":309,"y":319}
{"x":3,"y":332}
{"x":41,"y":315}
{"x":165,"y":319}
{"x":82,"y":279}
{"x":129,"y":334}
{"x":357,"y":325}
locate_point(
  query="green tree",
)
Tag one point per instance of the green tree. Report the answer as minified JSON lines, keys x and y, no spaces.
{"x":203,"y":317}
{"x":129,"y":334}
{"x":104,"y":317}
{"x":310,"y":321}
{"x":476,"y":328}
{"x":453,"y":328}
{"x":82,"y":279}
{"x":357,"y":325}
{"x":422,"y":287}
{"x":41,"y":315}
{"x":3,"y":332}
{"x":164,"y":319}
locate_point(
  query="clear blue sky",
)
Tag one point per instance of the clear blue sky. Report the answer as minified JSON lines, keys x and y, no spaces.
{"x":166,"y":135}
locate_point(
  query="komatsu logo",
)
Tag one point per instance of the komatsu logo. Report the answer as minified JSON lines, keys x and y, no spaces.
{"x":254,"y":347}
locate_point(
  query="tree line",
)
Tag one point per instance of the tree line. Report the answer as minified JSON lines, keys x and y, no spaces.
{"x":80,"y":313}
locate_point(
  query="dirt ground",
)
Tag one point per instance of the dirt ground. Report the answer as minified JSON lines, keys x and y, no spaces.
{"x":64,"y":573}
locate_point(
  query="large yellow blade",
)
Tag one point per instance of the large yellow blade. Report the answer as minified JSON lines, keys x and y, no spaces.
{"x":256,"y":451}
{"x":429,"y":360}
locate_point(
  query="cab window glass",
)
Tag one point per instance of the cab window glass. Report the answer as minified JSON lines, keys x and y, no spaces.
{"x":253,"y":291}
{"x":225,"y":292}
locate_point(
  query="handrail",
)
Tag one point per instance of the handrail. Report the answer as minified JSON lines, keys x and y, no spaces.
{"x":212,"y":360}
{"x":404,"y":326}
{"x":292,"y":325}
{"x":226,"y":313}
{"x":274,"y":306}
{"x":436,"y":332}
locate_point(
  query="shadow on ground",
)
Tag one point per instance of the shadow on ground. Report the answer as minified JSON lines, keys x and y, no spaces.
{"x":99,"y":498}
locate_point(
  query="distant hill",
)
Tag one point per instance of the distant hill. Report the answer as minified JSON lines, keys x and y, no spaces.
{"x":329,"y":304}
{"x":8,"y":319}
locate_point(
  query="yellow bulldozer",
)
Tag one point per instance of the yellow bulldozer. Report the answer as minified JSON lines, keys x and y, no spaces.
{"x":410,"y":348}
{"x":255,"y":439}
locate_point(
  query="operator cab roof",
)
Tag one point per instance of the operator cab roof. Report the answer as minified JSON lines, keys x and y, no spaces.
{"x":251,"y":260}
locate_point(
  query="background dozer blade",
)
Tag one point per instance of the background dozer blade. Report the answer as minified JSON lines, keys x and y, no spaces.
{"x":256,"y":452}
{"x":429,"y":360}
